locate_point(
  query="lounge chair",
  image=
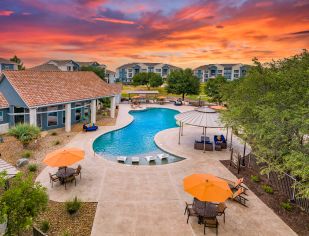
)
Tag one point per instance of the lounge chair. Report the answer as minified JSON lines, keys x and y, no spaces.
{"x":239,"y":198}
{"x":122,"y":158}
{"x":53,"y":178}
{"x":235,"y":185}
{"x":90,"y":128}
{"x":163,"y":156}
{"x":199,"y":145}
{"x":78,"y":172}
{"x":221,"y":210}
{"x":211,"y":223}
{"x":135,"y":159}
{"x":150,"y":158}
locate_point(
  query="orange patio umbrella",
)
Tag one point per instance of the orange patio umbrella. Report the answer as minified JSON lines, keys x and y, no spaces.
{"x":218,"y":107}
{"x":206,"y":187}
{"x":136,"y":97}
{"x":64,"y":157}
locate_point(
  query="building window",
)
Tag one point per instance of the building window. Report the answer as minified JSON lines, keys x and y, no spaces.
{"x":158,"y":70}
{"x":69,"y":68}
{"x":236,"y":71}
{"x":130,"y":75}
{"x":1,"y":115}
{"x":86,"y":113}
{"x":219,"y":71}
{"x":52,"y":118}
{"x":63,"y":117}
{"x":236,"y":75}
{"x":78,"y":111}
{"x":129,"y":70}
{"x":144,"y":70}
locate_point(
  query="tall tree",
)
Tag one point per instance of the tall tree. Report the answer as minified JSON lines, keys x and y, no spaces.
{"x":271,"y":106}
{"x":149,"y":79}
{"x":19,"y":62}
{"x":183,"y":82}
{"x":99,"y":71}
{"x":21,"y":203}
{"x":213,"y":88}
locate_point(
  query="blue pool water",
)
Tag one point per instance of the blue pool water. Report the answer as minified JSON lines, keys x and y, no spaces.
{"x":137,"y":139}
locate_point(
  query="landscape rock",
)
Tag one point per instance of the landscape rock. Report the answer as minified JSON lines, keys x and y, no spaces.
{"x":22,"y":162}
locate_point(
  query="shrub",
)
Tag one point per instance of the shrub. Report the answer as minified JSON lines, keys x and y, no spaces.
{"x":255,"y":178}
{"x":26,"y":154}
{"x":25,"y":133}
{"x":286,"y":205}
{"x":54,"y":133}
{"x":57,"y":142}
{"x":267,"y":189}
{"x":73,"y":206}
{"x":44,"y":226}
{"x":33,"y":167}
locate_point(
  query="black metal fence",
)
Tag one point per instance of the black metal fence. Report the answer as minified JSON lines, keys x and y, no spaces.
{"x":285,"y":183}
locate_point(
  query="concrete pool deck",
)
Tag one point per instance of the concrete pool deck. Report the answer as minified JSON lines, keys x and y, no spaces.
{"x":149,"y":200}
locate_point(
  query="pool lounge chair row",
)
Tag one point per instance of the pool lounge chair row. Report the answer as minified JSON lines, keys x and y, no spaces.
{"x":161,"y":156}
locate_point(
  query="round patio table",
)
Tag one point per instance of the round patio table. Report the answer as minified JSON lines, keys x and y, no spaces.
{"x":65,"y":172}
{"x":204,"y":209}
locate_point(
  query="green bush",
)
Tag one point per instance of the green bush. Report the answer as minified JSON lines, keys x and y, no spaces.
{"x":73,"y":206}
{"x":25,"y":133}
{"x":57,"y":142}
{"x":267,"y":189}
{"x":54,"y":133}
{"x":44,"y":226}
{"x":27,"y":154}
{"x":33,"y":167}
{"x":286,"y":205}
{"x":255,"y":178}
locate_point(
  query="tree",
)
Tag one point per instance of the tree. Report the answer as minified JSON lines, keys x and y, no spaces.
{"x":271,"y":106}
{"x":149,"y":79}
{"x":183,"y":82}
{"x":99,"y":71}
{"x":19,"y":62}
{"x":213,"y":88}
{"x":21,"y":203}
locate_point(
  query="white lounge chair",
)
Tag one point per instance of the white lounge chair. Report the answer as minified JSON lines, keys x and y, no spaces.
{"x":163,"y":156}
{"x":122,"y":158}
{"x":150,"y":158}
{"x":135,"y":159}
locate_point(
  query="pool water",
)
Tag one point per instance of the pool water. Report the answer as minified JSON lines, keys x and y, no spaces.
{"x":137,"y":139}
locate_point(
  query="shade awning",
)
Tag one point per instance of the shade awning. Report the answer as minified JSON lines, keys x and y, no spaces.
{"x":201,"y":117}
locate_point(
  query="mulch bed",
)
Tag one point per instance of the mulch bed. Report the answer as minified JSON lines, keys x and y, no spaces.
{"x":60,"y":221}
{"x":296,"y":218}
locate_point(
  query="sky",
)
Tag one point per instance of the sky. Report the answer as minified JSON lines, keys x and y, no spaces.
{"x":186,"y":33}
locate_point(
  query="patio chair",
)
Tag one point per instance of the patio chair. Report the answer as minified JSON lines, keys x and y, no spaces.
{"x":53,"y":178}
{"x":235,"y":185}
{"x":78,"y":171}
{"x":69,"y":179}
{"x":239,"y":198}
{"x":200,"y":145}
{"x":211,"y":223}
{"x":150,"y":158}
{"x":221,"y":210}
{"x":191,"y":212}
{"x":188,"y":205}
{"x":122,"y":158}
{"x":163,"y":156}
{"x":222,"y":142}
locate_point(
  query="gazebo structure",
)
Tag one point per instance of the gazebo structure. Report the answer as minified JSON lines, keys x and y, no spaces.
{"x":204,"y":117}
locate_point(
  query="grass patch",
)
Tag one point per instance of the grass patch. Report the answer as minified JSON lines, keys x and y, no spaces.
{"x":44,"y":226}
{"x":255,"y":178}
{"x":27,"y":154}
{"x":286,"y":205}
{"x":57,"y":142}
{"x":73,"y":206}
{"x":267,"y":189}
{"x":33,"y":167}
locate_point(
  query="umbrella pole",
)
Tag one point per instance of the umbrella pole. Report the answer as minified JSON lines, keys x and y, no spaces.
{"x":231,"y":138}
{"x":182,"y":130}
{"x":204,"y":138}
{"x":227,"y":134}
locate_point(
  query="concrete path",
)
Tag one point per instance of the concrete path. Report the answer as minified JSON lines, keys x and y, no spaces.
{"x":149,"y":200}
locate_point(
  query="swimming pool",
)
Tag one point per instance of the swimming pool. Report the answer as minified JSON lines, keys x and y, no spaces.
{"x":137,"y":139}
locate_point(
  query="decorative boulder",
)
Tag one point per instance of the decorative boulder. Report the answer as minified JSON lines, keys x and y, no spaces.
{"x":21,"y":162}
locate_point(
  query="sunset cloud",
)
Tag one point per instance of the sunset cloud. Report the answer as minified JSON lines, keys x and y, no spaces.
{"x":186,"y":33}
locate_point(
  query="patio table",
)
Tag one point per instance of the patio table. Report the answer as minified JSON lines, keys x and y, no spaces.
{"x":64,"y":173}
{"x":204,"y":209}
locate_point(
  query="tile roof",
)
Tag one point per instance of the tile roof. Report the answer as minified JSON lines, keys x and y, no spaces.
{"x":45,"y":67}
{"x":5,"y":61}
{"x":3,"y":102}
{"x":87,"y":63}
{"x":61,"y":62}
{"x":110,"y":72}
{"x":41,"y":88}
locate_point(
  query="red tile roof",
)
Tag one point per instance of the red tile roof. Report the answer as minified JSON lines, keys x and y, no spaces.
{"x":40,"y":88}
{"x":3,"y":102}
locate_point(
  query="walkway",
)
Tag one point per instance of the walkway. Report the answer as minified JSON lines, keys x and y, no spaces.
{"x":149,"y":200}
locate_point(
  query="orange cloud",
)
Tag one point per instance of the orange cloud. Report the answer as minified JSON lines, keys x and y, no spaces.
{"x":6,"y":12}
{"x":116,"y":21}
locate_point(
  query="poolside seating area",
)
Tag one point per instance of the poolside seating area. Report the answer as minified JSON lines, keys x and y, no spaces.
{"x":65,"y":175}
{"x":148,"y":159}
{"x":205,"y":144}
{"x":90,"y":127}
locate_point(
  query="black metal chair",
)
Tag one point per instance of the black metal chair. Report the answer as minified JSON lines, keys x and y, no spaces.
{"x":211,"y":223}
